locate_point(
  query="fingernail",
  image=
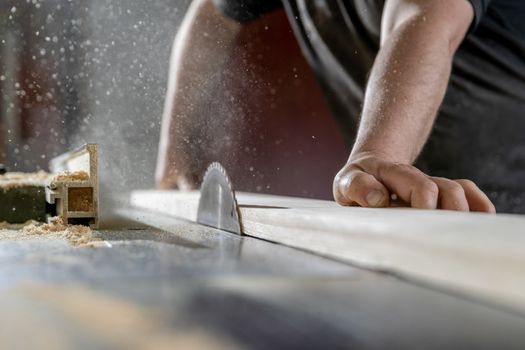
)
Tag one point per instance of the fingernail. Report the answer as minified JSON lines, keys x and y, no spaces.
{"x":374,"y":198}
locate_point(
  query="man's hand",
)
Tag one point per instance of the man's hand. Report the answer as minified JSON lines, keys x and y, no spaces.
{"x":369,"y":181}
{"x":404,"y":92}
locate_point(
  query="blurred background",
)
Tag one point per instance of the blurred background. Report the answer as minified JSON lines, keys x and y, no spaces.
{"x":85,"y":71}
{"x":78,"y":71}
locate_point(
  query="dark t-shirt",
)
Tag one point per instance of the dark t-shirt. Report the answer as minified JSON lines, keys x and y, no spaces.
{"x":509,"y":12}
{"x":247,"y":10}
{"x":480,"y":129}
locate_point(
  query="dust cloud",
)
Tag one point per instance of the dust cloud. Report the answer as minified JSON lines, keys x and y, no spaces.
{"x":80,"y":72}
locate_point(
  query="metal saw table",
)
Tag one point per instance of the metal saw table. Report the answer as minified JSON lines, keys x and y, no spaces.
{"x":186,"y":286}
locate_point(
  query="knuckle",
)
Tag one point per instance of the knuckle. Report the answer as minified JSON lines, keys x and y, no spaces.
{"x":337,"y":179}
{"x":358,"y":184}
{"x":338,"y":194}
{"x":455,"y":189}
{"x":340,"y":183}
{"x":343,"y":182}
{"x":342,"y":174}
{"x":429,"y":188}
{"x":357,"y":179}
{"x":425,"y":195}
{"x":466,"y":182}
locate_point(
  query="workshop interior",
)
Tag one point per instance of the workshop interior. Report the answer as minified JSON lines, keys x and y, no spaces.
{"x":256,"y":254}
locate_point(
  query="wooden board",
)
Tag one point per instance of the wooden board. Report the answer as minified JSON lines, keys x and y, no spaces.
{"x":479,"y":255}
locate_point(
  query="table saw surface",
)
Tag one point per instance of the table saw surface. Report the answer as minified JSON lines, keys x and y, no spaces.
{"x":200,"y":288}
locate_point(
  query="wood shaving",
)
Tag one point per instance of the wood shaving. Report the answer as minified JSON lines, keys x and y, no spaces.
{"x":70,"y":176}
{"x":77,"y":235}
{"x":12,"y":180}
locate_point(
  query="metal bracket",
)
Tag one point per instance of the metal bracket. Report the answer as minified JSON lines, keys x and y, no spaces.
{"x":76,"y":201}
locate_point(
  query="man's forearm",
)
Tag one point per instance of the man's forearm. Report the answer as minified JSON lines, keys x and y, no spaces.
{"x":406,"y":87}
{"x":200,"y":49}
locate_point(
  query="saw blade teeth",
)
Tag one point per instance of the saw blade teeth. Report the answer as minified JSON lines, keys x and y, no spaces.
{"x":216,"y":166}
{"x":215,"y":179}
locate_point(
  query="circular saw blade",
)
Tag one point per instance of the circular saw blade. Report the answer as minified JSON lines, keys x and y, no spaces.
{"x":217,"y":205}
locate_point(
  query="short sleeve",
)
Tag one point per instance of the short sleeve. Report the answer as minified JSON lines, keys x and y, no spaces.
{"x":246,"y":10}
{"x":480,"y":7}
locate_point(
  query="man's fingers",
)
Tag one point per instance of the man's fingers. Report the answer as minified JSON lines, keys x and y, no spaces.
{"x":357,"y":187}
{"x":409,"y":184}
{"x":451,"y":195}
{"x":477,"y":200}
{"x":368,"y":182}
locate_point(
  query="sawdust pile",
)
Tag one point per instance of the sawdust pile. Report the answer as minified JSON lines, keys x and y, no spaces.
{"x":76,"y":234}
{"x":70,"y":176}
{"x":12,"y":180}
